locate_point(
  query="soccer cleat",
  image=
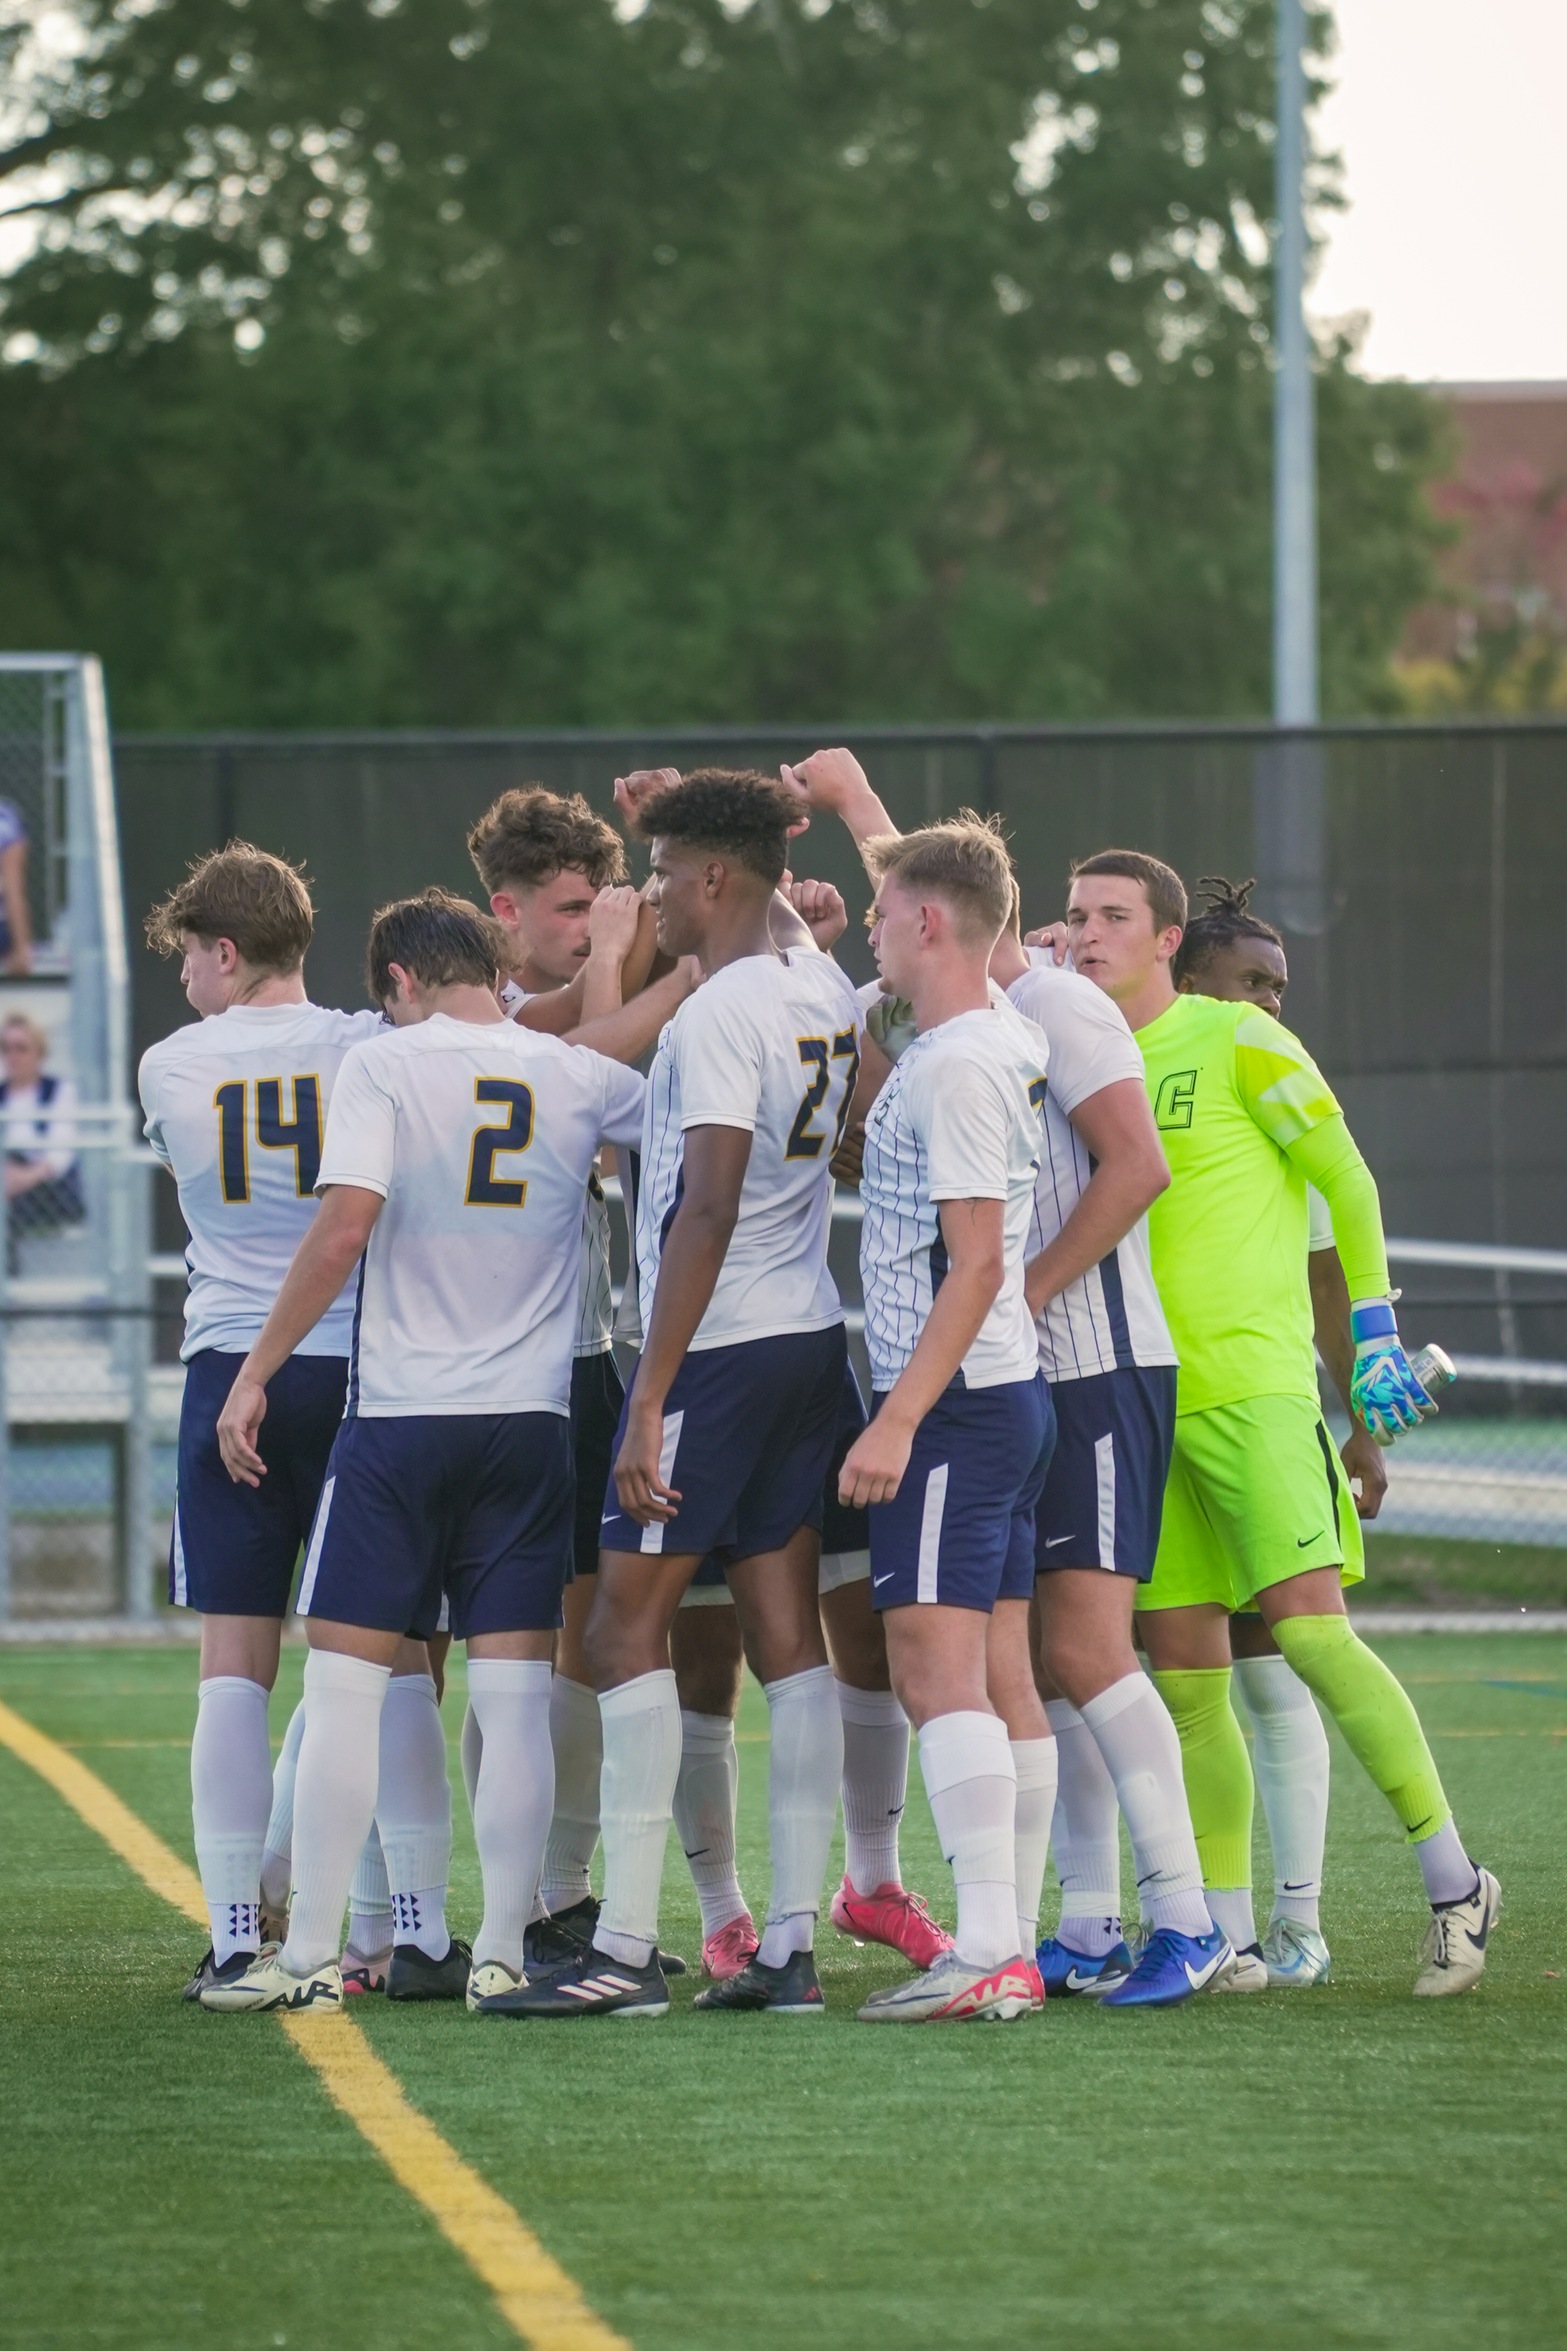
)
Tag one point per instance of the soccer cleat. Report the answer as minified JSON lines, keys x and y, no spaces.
{"x":1036,"y":1983}
{"x":414,"y":1975}
{"x":1067,"y":1974}
{"x":209,"y":1972}
{"x":487,"y":1982}
{"x":1173,"y":1966}
{"x":790,"y":1990}
{"x":363,"y":1975}
{"x":1453,"y":1953}
{"x":952,"y":1992}
{"x":1249,"y":1974}
{"x":1296,"y":1955}
{"x":551,"y":1941}
{"x":267,"y":1983}
{"x":724,"y":1954}
{"x":587,"y":1984}
{"x":892,"y":1916}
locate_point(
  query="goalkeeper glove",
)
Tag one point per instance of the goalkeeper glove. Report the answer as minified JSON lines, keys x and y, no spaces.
{"x":1384,"y":1393}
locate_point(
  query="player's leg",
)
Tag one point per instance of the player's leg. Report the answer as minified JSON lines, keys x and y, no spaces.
{"x":707,"y":1656}
{"x":1289,"y":1757}
{"x":276,"y":1862}
{"x":231,"y":1783}
{"x":1009,"y":1668}
{"x":414,"y":1829}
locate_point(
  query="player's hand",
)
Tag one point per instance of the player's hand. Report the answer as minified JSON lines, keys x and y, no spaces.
{"x":632,"y":790}
{"x":821,"y":909}
{"x":612,"y":922}
{"x":1053,"y":935}
{"x":1384,"y":1394}
{"x":828,"y":779}
{"x":239,"y":1424}
{"x":874,"y":1465}
{"x":847,"y":1164}
{"x":1363,"y":1462}
{"x":643,"y":1493}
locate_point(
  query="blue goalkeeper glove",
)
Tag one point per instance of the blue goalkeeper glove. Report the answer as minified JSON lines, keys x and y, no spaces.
{"x":1384,"y":1394}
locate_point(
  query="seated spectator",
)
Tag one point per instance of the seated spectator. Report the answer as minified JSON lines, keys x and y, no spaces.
{"x":16,"y":922}
{"x":43,"y":1185}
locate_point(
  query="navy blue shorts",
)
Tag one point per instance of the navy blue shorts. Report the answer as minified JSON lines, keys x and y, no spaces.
{"x":473,"y":1507}
{"x":843,"y":1529}
{"x":597,"y":1399}
{"x":234,"y":1548}
{"x":959,"y":1531}
{"x":1104,"y":1495}
{"x":748,"y":1435}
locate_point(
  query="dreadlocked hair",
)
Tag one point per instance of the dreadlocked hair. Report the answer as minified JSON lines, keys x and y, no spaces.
{"x":1224,"y":919}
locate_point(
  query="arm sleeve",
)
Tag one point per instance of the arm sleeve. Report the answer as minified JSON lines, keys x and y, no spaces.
{"x":717,"y":1050}
{"x":620,"y":1120}
{"x":964,"y":1119}
{"x":1328,"y":1157}
{"x":361,"y":1126}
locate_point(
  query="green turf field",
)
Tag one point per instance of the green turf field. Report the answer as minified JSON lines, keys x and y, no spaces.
{"x":1340,"y":2167}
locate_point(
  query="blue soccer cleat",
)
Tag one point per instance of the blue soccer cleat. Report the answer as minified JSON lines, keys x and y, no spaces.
{"x":1172,"y":1968}
{"x":1066,"y":1973}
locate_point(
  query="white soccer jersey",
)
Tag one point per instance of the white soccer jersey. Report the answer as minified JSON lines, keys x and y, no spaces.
{"x":479,"y":1138}
{"x":235,"y":1107}
{"x":1110,"y":1319}
{"x":595,"y":1293}
{"x":957,"y":1120}
{"x":770,"y":1043}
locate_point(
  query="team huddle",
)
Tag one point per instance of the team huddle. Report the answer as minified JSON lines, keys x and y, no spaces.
{"x":1110,"y":1214}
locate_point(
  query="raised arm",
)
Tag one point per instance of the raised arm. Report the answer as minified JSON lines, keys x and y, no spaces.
{"x":835,"y":782}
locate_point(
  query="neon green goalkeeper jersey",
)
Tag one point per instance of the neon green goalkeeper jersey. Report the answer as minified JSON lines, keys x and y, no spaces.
{"x":1231,"y":1090}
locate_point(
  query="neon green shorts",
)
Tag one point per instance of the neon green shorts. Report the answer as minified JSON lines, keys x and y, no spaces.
{"x":1256,"y":1494}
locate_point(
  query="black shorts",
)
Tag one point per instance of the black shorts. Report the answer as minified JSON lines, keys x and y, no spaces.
{"x":234,"y":1548}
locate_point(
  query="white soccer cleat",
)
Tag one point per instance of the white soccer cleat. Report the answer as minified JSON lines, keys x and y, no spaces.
{"x":1453,"y":1953}
{"x":1249,"y":1974}
{"x":1296,"y":1956}
{"x":484,"y":1982}
{"x":952,"y":1992}
{"x":267,"y":1983}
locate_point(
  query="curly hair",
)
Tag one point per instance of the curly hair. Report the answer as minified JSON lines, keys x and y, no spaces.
{"x":529,"y":835}
{"x":736,"y":813}
{"x":443,"y":940}
{"x":964,"y":859}
{"x":242,"y":893}
{"x":1221,"y":923}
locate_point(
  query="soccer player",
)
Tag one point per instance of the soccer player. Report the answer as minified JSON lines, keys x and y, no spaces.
{"x":1108,"y":1361}
{"x":951,"y":1464}
{"x":234,"y":1107}
{"x":1258,"y":1509}
{"x":456,"y":1156}
{"x":579,"y":947}
{"x":729,"y":1423}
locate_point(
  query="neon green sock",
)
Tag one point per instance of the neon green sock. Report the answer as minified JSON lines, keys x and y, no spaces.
{"x":1372,"y":1709}
{"x":1216,"y":1768}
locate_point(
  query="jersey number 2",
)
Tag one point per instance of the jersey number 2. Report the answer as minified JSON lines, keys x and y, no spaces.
{"x":803,"y":1142}
{"x":485,"y":1188}
{"x":301,"y":1134}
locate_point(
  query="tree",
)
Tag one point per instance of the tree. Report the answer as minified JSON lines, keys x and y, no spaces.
{"x":465,"y":363}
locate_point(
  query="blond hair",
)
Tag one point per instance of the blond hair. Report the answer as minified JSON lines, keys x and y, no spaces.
{"x":963,"y":860}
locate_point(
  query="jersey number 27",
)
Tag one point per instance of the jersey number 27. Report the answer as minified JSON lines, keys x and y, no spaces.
{"x":804,"y":1142}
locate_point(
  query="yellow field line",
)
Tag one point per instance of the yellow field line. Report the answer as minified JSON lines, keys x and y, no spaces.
{"x":535,"y":2295}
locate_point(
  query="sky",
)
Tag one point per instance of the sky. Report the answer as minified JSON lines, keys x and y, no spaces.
{"x":1451,"y":118}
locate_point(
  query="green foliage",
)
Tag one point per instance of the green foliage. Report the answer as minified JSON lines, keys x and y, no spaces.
{"x":461,"y":363}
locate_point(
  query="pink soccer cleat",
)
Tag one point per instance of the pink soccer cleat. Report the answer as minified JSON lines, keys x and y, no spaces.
{"x":726,"y":1953}
{"x":892,"y":1916}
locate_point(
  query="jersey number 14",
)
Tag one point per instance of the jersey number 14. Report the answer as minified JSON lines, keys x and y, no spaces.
{"x":244,"y":1110}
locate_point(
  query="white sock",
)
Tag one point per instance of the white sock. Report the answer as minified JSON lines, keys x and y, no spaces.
{"x":1230,"y":1907}
{"x":875,"y":1785}
{"x":805,"y":1772}
{"x":705,"y":1795}
{"x":514,"y":1798}
{"x":1037,"y":1765}
{"x":971,"y":1781}
{"x":276,"y":1867}
{"x":1449,"y":1874}
{"x":370,"y":1903}
{"x":1289,"y":1759}
{"x":413,"y":1811}
{"x":334,"y":1798}
{"x":577,"y":1734}
{"x":470,"y":1748}
{"x":1132,"y":1729}
{"x":641,"y":1765}
{"x":1086,"y":1838}
{"x":230,"y":1795}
